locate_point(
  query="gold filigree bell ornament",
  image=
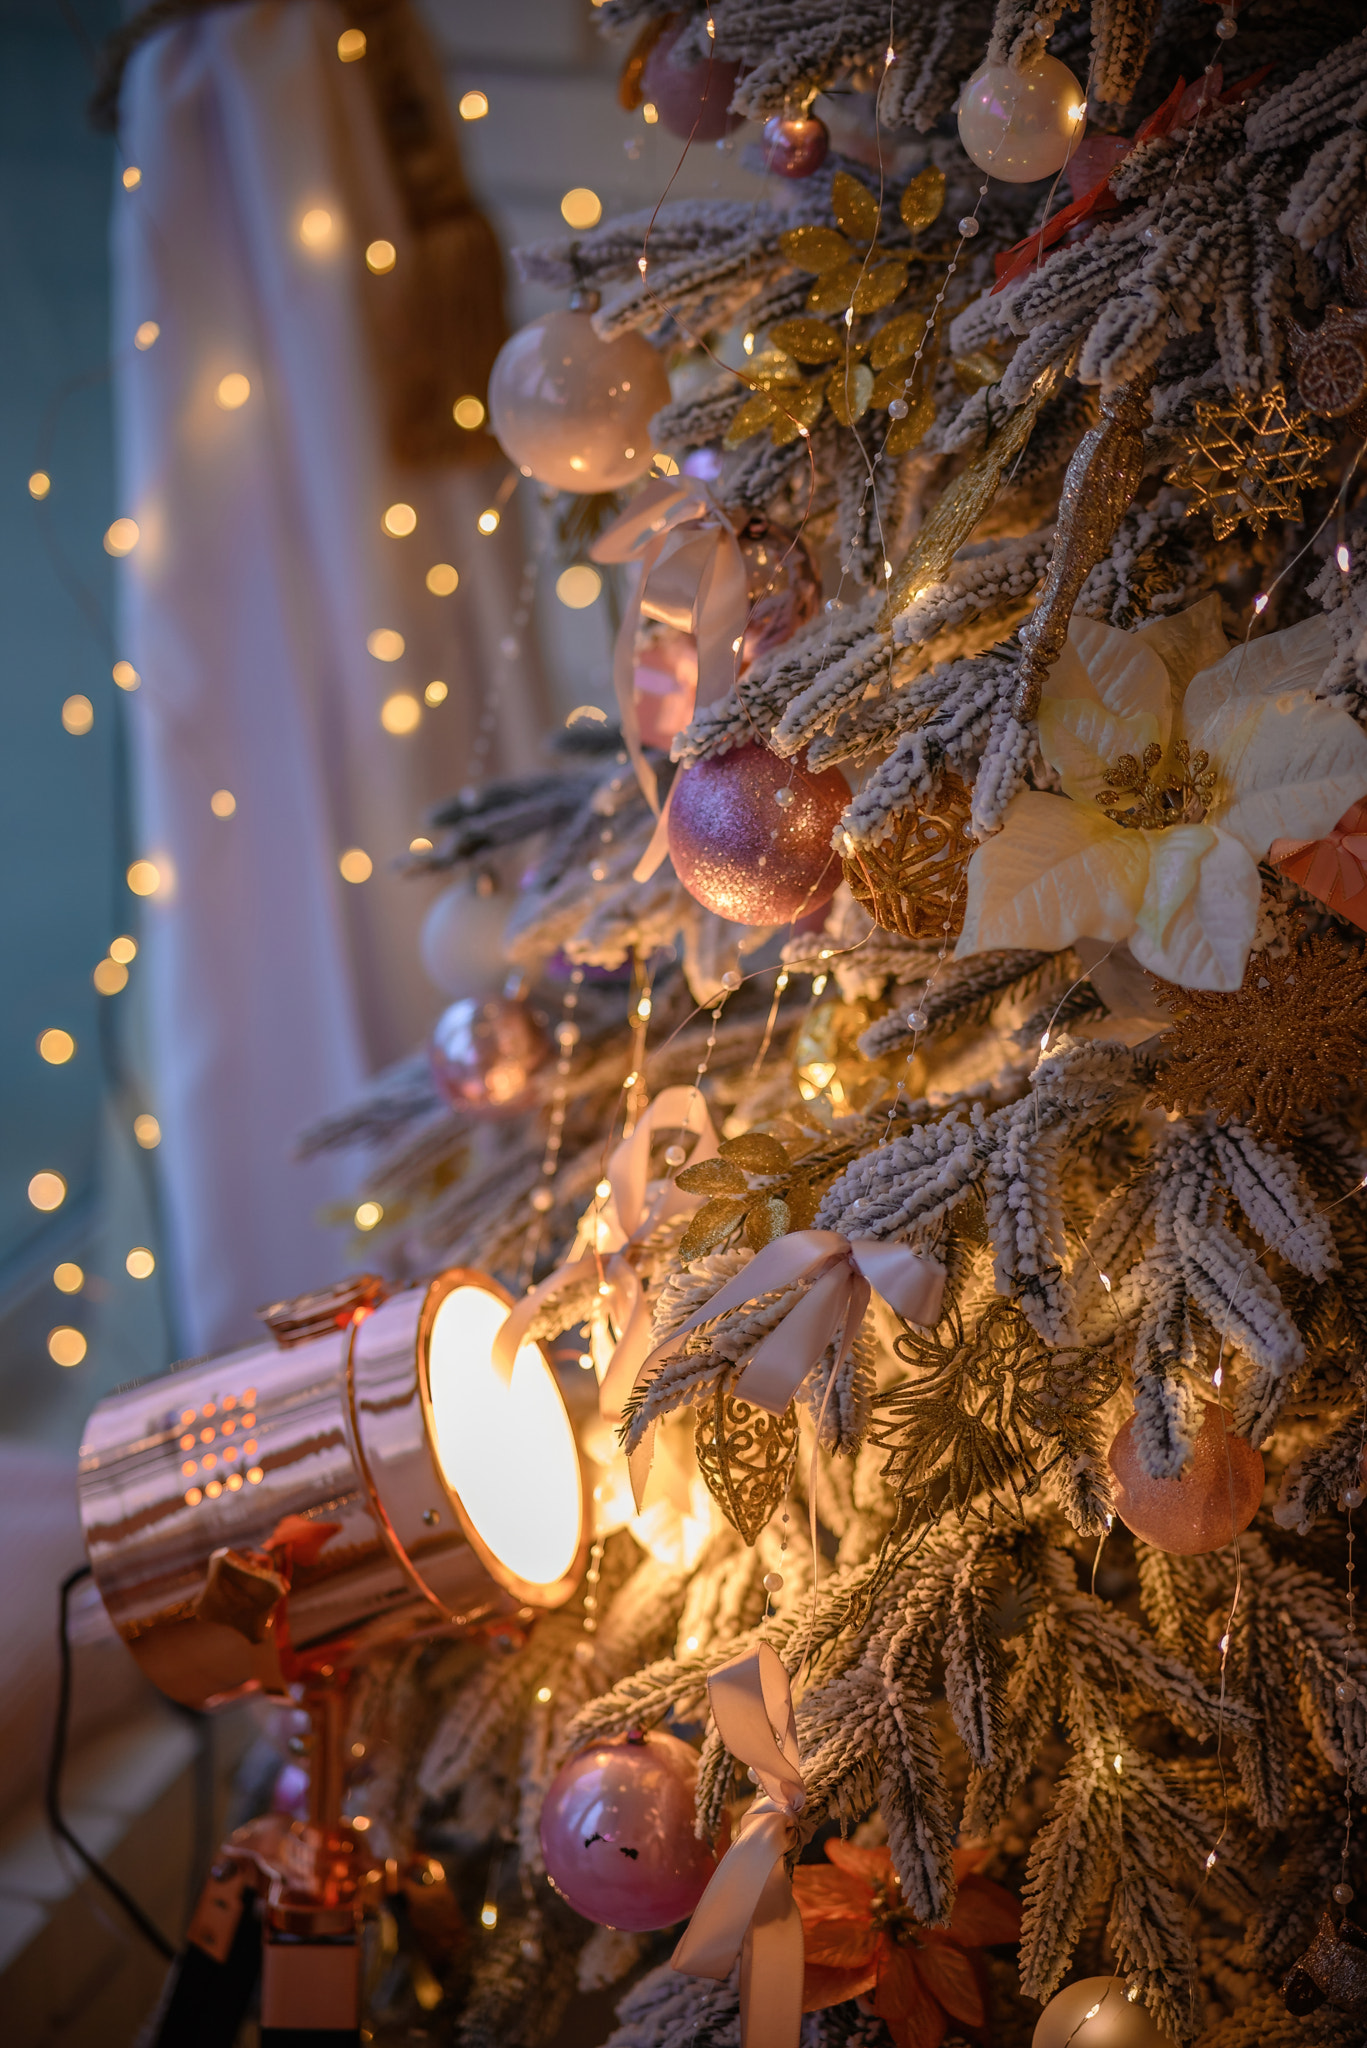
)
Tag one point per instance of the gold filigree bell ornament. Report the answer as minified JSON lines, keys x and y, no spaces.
{"x":915,"y":880}
{"x":1249,"y":459}
{"x":745,"y":1456}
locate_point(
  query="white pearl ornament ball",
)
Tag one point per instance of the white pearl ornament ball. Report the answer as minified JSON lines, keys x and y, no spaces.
{"x":1068,"y":2020}
{"x":575,"y":411}
{"x":1020,"y":125}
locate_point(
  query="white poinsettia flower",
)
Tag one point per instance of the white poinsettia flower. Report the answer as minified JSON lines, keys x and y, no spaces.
{"x":1182,"y":759}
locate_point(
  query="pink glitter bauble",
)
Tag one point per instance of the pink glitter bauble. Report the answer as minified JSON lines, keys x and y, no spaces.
{"x":574,"y":411}
{"x":795,"y":145}
{"x":617,"y":1833}
{"x":1217,"y":1495}
{"x":744,"y":852}
{"x":781,"y":583}
{"x":483,"y":1055}
{"x":691,"y":99}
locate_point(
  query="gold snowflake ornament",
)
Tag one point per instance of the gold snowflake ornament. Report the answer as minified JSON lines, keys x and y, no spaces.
{"x":1249,"y":459}
{"x":1274,"y":1052}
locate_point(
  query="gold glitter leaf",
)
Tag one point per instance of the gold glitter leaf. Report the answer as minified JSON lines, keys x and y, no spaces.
{"x":810,"y":341}
{"x":757,"y":412}
{"x":745,"y":1455}
{"x":833,"y":291}
{"x":711,"y":1177}
{"x":766,"y":1221}
{"x":923,"y":199}
{"x":711,"y":1226}
{"x":879,"y":286}
{"x":904,"y":435}
{"x":813,"y":248}
{"x":757,"y":1152}
{"x":855,"y":208}
{"x":976,"y":371}
{"x":898,"y":340}
{"x":796,"y":410}
{"x":1273,"y":1052}
{"x":850,"y":392}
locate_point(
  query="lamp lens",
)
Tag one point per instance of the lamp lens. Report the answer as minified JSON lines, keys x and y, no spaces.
{"x":506,"y":1449}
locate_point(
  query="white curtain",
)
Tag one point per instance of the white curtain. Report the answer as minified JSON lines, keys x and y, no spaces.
{"x":273,"y":986}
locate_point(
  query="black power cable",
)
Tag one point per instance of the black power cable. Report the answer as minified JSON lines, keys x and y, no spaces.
{"x":53,"y":1788}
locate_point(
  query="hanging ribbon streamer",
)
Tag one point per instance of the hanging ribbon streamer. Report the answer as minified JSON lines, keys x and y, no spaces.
{"x":1334,"y":868}
{"x":692,"y":577}
{"x":748,"y":1910}
{"x":842,"y":1273}
{"x":629,"y":1215}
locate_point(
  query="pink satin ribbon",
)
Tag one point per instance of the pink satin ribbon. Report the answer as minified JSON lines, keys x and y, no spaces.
{"x":1334,"y":868}
{"x":630,"y":1213}
{"x":843,"y":1273}
{"x":748,"y":1910}
{"x":693,"y":578}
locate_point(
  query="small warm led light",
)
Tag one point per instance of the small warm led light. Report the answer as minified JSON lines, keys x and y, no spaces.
{"x":1260,"y":601}
{"x":488,"y":1916}
{"x":315,"y":229}
{"x":78,"y":715}
{"x":1105,"y":1280}
{"x":56,"y":1047}
{"x":436,"y":692}
{"x":1211,"y":1860}
{"x":223,"y":803}
{"x":400,"y":713}
{"x":47,"y":1191}
{"x":125,"y":675}
{"x":380,"y":257}
{"x":1341,"y":554}
{"x":650,"y":113}
{"x":399,"y":520}
{"x":39,"y":484}
{"x":146,"y":333}
{"x":468,"y":413}
{"x":123,"y":949}
{"x":193,"y":1497}
{"x":144,"y":878}
{"x":1119,"y":1763}
{"x":68,"y":1278}
{"x":121,"y":538}
{"x":690,"y":1642}
{"x":578,"y":586}
{"x":419,"y":845}
{"x":442,"y":579}
{"x":1076,"y":114}
{"x":234,"y":1482}
{"x":255,"y":1476}
{"x":488,"y":521}
{"x":385,"y":644}
{"x":355,"y":865}
{"x":65,"y":1346}
{"x":233,"y":391}
{"x":603,"y":1190}
{"x":586,"y":1361}
{"x":368,"y":1215}
{"x":140,"y":1263}
{"x":543,"y":1694}
{"x":581,"y":207}
{"x":472,"y":106}
{"x":110,"y":977}
{"x":132,"y":178}
{"x":214,"y":1489}
{"x":360,"y":1821}
{"x":351,"y":45}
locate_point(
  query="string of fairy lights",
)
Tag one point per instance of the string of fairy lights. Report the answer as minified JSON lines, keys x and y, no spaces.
{"x":320,"y":232}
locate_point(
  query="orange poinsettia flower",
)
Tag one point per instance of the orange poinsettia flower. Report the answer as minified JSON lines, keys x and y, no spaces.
{"x":862,"y":1942}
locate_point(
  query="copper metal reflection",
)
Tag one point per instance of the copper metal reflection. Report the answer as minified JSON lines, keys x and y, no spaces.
{"x":314,"y":1461}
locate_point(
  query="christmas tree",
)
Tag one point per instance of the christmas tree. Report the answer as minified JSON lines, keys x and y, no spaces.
{"x":946,"y":1143}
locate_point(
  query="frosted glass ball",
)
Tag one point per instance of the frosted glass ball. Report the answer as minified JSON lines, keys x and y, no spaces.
{"x":1118,"y":2022}
{"x":1192,"y":1514}
{"x":617,"y":1833}
{"x":461,"y":943}
{"x":483,"y":1055}
{"x":1019,"y":125}
{"x":575,"y":410}
{"x":692,"y":100}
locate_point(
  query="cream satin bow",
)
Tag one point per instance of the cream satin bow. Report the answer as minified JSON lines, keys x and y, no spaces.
{"x":843,"y":1272}
{"x":692,"y":577}
{"x":748,"y":1909}
{"x":630,"y":1213}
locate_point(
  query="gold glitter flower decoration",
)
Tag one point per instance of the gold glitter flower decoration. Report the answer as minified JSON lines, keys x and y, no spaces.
{"x":1249,"y":459}
{"x":1273,"y":1052}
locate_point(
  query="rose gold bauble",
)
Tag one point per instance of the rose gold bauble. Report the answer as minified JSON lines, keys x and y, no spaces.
{"x":617,"y":1833}
{"x":573,"y":410}
{"x":1020,"y":125}
{"x":483,"y":1054}
{"x":1119,"y":2021}
{"x":781,"y":583}
{"x":691,"y":99}
{"x":795,"y":145}
{"x":665,"y":676}
{"x":1190,"y":1514}
{"x":741,"y":851}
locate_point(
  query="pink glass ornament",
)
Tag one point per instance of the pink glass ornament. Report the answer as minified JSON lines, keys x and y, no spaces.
{"x":575,"y":411}
{"x":691,"y":99}
{"x":795,"y":145}
{"x":1193,"y":1513}
{"x":665,"y":675}
{"x":483,"y":1055}
{"x":782,"y":584}
{"x":617,"y":1833}
{"x":1118,"y":2021}
{"x":750,"y":835}
{"x":1021,"y":125}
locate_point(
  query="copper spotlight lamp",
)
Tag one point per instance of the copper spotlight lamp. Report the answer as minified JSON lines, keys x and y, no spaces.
{"x":265,"y":1520}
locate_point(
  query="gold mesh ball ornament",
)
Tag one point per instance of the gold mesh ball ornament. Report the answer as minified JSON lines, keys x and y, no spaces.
{"x":1249,"y":459}
{"x":915,"y":881}
{"x":745,"y":1455}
